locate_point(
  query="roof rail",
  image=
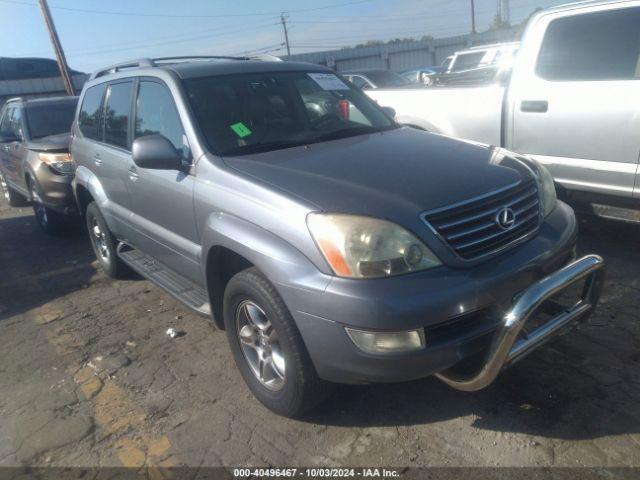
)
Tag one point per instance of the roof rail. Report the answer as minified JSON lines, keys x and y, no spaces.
{"x":143,"y":62}
{"x":265,"y":57}
{"x":153,"y":62}
{"x":14,"y":99}
{"x":198,"y":57}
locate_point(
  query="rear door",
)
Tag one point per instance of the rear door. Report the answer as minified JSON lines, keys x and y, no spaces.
{"x":575,"y":97}
{"x":113,"y":158}
{"x":162,"y":200}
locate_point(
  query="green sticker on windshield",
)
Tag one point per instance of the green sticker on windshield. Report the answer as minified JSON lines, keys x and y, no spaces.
{"x":241,"y":129}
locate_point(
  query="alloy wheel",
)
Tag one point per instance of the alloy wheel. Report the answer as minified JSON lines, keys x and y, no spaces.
{"x":38,"y":207}
{"x":5,"y":188}
{"x":260,"y":345}
{"x":99,"y":239}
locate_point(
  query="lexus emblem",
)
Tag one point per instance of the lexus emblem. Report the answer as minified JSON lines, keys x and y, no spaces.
{"x":506,"y":218}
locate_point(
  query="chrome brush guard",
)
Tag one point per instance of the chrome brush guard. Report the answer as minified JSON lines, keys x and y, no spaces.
{"x":506,"y":347}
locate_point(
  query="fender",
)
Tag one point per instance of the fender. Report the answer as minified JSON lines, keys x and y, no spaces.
{"x":282,"y":263}
{"x":87,"y":179}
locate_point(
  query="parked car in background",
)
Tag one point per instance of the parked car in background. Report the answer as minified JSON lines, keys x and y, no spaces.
{"x":478,"y":65}
{"x":35,"y":164}
{"x":331,"y":247}
{"x":446,"y":63}
{"x":482,"y":56}
{"x":421,"y":76}
{"x":367,"y":79}
{"x":572,"y":103}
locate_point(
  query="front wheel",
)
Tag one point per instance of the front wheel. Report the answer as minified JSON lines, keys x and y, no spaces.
{"x":104,"y":243}
{"x":267,"y":346}
{"x":50,"y":221}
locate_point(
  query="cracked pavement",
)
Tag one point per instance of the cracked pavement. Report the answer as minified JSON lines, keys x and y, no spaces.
{"x":88,"y":378}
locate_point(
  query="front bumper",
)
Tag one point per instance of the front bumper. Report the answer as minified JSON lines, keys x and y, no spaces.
{"x":507,"y":348}
{"x":56,"y":190}
{"x":460,"y":310}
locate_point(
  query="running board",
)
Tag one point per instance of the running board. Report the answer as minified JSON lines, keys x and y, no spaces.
{"x":184,"y":290}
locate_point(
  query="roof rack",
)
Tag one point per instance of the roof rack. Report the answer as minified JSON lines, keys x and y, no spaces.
{"x":154,"y":62}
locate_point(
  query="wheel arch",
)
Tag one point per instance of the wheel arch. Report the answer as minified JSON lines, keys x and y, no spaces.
{"x":231,"y":244}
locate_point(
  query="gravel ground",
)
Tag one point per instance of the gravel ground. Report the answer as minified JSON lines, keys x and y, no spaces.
{"x":89,"y":378}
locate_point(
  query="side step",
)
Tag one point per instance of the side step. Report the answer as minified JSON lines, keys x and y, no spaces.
{"x":186,"y":291}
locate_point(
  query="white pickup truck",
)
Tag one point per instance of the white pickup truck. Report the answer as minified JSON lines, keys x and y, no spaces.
{"x":572,"y":102}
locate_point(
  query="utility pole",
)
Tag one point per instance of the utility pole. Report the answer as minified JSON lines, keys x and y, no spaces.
{"x":55,"y":41}
{"x":473,"y":17}
{"x":286,"y":35}
{"x":505,"y":11}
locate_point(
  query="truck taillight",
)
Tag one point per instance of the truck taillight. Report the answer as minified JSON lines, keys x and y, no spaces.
{"x":343,"y":109}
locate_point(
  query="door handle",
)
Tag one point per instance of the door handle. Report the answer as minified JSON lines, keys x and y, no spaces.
{"x":133,"y":173}
{"x":534,"y":106}
{"x":97,"y":159}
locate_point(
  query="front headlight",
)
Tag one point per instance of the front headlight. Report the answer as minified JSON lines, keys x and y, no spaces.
{"x":364,"y":247}
{"x":545,"y":185}
{"x":60,"y":162}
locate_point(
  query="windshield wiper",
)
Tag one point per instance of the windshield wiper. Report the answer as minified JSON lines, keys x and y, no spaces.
{"x":264,"y":147}
{"x":350,"y":132}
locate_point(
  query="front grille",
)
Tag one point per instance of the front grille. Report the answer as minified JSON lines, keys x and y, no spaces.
{"x":471,"y":230}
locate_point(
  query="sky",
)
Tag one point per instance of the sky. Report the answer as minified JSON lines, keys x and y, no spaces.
{"x":97,"y":33}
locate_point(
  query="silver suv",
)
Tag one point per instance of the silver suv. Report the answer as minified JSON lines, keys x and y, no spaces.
{"x":330,"y":243}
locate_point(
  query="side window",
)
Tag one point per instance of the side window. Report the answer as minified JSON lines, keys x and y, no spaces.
{"x":359,"y":82}
{"x":89,"y":120}
{"x":156,"y":114}
{"x":15,"y":124}
{"x":6,"y":120}
{"x":117,"y":110}
{"x":594,"y":46}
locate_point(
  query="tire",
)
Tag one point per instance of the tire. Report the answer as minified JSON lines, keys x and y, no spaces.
{"x":290,"y":384}
{"x":13,"y":198}
{"x":50,"y":221}
{"x":104,"y":244}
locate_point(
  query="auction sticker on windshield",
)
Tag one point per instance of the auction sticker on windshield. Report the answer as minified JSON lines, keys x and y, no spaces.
{"x":328,"y":81}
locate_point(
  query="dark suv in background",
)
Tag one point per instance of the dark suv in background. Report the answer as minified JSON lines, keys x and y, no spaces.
{"x":332,"y":244}
{"x":35,"y":163}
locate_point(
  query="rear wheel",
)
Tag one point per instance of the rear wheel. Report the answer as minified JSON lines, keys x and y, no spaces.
{"x":50,"y":221}
{"x":268,"y":348}
{"x":104,"y":243}
{"x":13,"y":198}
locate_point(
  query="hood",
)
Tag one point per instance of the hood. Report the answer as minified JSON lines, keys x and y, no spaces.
{"x":52,"y":143}
{"x":396,"y":174}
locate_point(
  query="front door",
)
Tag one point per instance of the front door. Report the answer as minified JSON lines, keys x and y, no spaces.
{"x":12,"y":152}
{"x":576,"y":98}
{"x":162,"y":200}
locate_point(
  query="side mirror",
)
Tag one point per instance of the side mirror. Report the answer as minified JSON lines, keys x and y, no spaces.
{"x":8,"y":137}
{"x":390,"y":111}
{"x":156,"y":152}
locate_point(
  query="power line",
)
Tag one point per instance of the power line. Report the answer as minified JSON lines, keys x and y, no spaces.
{"x":164,"y":15}
{"x":157,"y":41}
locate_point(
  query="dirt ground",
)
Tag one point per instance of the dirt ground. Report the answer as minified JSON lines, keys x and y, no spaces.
{"x":89,"y":378}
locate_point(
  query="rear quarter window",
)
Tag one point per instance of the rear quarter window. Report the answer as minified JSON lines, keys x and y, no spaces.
{"x":89,"y":118}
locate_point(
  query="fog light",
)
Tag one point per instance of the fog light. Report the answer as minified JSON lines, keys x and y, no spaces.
{"x":387,"y":342}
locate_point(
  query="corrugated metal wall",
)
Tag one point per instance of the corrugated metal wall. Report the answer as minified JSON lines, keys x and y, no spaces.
{"x":37,"y":87}
{"x":405,"y":55}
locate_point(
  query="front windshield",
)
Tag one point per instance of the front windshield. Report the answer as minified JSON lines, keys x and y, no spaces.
{"x":53,"y":119}
{"x":258,"y":112}
{"x":386,"y":78}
